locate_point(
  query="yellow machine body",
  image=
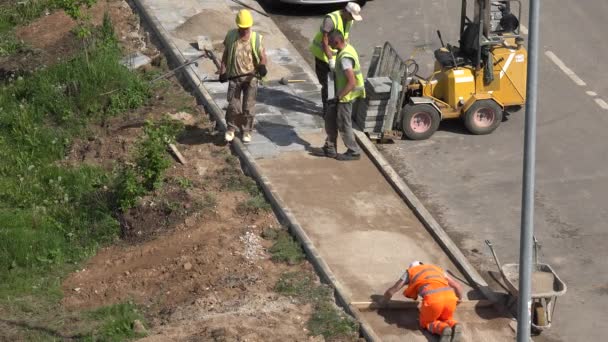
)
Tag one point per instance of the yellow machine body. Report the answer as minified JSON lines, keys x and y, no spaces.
{"x":456,"y":89}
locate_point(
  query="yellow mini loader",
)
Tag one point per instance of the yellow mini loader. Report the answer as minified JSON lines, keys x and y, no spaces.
{"x":475,"y":81}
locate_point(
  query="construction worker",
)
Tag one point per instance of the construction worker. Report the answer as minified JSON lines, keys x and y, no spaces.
{"x":349,"y":88}
{"x":440,"y":293}
{"x":325,"y":62}
{"x":244,"y":60}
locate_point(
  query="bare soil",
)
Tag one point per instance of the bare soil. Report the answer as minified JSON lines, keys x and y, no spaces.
{"x":50,"y":39}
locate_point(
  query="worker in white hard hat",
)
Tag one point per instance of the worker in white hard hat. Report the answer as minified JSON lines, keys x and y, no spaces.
{"x":440,"y":294}
{"x":244,"y":60}
{"x":325,"y":57}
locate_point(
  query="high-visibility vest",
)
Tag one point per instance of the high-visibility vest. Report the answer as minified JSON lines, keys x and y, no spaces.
{"x":316,"y":48}
{"x":341,"y":80}
{"x":426,"y":280}
{"x":256,"y":46}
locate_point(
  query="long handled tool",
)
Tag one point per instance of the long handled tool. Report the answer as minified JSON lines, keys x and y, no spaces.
{"x":286,"y":81}
{"x":170,"y":72}
{"x":251,"y":8}
{"x":230,"y":78}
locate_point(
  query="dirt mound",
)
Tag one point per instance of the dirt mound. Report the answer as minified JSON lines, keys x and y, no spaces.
{"x":201,"y":25}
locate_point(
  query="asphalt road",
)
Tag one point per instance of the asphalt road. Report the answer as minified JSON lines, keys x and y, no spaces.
{"x":472,"y":184}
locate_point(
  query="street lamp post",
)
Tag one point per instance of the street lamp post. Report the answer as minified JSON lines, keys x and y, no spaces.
{"x":527,"y":212}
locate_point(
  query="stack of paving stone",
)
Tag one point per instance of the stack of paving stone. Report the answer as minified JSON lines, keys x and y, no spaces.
{"x":369,"y":114}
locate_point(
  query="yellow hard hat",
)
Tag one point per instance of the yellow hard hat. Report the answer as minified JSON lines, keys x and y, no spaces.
{"x":244,"y":19}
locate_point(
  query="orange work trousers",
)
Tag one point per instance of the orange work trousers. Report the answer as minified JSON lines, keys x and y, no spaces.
{"x":437,"y":311}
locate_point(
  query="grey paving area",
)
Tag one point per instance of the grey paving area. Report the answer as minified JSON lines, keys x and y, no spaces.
{"x":472,"y":184}
{"x":283,"y":111}
{"x":359,"y":225}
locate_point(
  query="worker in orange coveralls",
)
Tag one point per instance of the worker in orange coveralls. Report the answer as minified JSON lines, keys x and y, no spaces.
{"x":440,"y":294}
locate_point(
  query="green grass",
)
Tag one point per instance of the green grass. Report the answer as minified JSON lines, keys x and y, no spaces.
{"x":286,"y":249}
{"x":254,"y":205}
{"x":13,"y":13}
{"x":234,"y":180}
{"x":327,"y":319}
{"x":116,"y":323}
{"x":9,"y":44}
{"x":54,"y":215}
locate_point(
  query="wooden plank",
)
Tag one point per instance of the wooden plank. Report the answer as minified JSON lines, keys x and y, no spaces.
{"x":177,"y":154}
{"x":412,"y":304}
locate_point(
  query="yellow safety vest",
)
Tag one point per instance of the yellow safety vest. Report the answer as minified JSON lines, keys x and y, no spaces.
{"x":256,"y":46}
{"x":316,"y":48}
{"x":342,"y":81}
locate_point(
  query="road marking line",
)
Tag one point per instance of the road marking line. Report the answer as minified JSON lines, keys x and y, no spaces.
{"x":523,"y":29}
{"x":602,"y":103}
{"x":565,"y":69}
{"x":591,"y":93}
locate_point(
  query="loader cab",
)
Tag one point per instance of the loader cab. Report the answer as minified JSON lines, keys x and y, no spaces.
{"x":499,"y":22}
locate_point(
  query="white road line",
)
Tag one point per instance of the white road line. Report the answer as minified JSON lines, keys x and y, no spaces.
{"x":602,"y":103}
{"x":565,"y":69}
{"x":523,"y":29}
{"x":591,"y":93}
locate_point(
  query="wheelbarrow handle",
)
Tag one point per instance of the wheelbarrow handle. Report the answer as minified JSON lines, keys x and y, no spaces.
{"x":495,"y":257}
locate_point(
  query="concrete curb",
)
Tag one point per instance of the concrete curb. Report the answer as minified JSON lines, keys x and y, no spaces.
{"x":283,"y":212}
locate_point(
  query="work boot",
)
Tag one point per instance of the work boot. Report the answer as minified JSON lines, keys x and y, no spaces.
{"x":349,"y":155}
{"x":229,"y":136}
{"x":246,"y":137}
{"x":324,"y":152}
{"x":446,"y":335}
{"x":456,"y":332}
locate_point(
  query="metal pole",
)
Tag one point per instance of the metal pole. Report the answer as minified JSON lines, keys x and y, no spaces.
{"x":527,"y":212}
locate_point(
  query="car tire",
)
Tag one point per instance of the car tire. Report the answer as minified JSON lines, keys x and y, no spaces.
{"x":419,"y":121}
{"x":483,"y":117}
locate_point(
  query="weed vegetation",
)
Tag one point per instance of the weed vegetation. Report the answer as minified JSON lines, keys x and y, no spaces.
{"x":116,"y":323}
{"x":286,"y":249}
{"x":327,"y":319}
{"x":54,"y":215}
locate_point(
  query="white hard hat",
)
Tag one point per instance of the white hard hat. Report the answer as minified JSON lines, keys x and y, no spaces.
{"x":355,"y":10}
{"x":414,"y":263}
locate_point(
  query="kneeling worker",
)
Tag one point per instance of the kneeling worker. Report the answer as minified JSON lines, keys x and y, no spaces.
{"x":350,"y":87}
{"x":440,"y":294}
{"x":244,"y":58}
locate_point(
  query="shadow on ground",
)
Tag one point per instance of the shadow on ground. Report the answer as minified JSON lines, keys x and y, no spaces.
{"x":281,"y":135}
{"x":288,"y":101}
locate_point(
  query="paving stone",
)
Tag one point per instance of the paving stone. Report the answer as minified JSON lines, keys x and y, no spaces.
{"x":135,"y":60}
{"x":262,"y":150}
{"x":272,"y":120}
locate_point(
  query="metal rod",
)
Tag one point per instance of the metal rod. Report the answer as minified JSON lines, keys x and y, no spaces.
{"x":527,"y":210}
{"x":249,"y":7}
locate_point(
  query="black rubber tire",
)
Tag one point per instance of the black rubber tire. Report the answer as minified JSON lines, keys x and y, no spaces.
{"x":483,"y":105}
{"x":407,"y":113}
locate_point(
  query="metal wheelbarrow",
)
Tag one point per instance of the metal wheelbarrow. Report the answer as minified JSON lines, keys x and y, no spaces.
{"x":546,"y":287}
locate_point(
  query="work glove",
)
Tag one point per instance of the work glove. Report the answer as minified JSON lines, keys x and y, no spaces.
{"x":262,"y":70}
{"x":223,"y":78}
{"x":332,"y":64}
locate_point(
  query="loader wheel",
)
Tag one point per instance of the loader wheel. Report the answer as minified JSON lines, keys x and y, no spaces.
{"x":483,"y":117}
{"x":420,"y":121}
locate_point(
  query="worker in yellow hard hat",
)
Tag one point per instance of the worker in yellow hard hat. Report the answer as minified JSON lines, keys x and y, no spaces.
{"x":243,"y":60}
{"x":325,"y":57}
